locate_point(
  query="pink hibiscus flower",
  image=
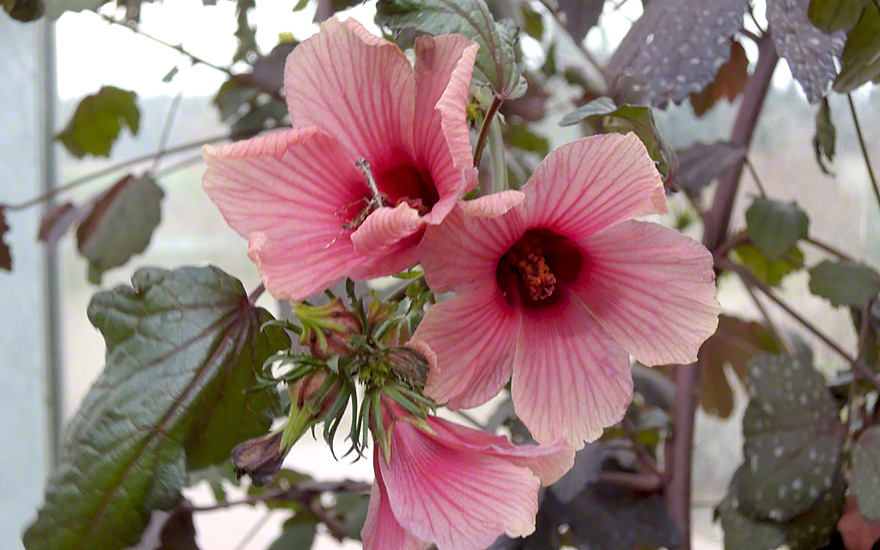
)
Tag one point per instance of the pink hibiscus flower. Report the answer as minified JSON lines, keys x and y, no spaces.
{"x":556,"y":291}
{"x":378,"y":151}
{"x":455,"y":487}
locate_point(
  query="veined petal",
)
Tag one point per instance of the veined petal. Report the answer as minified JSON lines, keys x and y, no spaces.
{"x":463,"y":252}
{"x":492,"y":206}
{"x":549,"y":461}
{"x":381,"y":530}
{"x":284,"y":192}
{"x":472,"y":336}
{"x":592,"y":183}
{"x":458,"y":499}
{"x":385,"y":228}
{"x":570,"y":379}
{"x":652,"y":289}
{"x":357,"y":86}
{"x":443,"y":69}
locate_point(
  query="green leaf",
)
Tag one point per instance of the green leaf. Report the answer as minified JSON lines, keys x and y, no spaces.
{"x":24,"y":10}
{"x":232,"y":96}
{"x":120,"y":224}
{"x":807,"y":531}
{"x":866,"y":473}
{"x":775,"y":227}
{"x":823,"y":141}
{"x":836,"y":15}
{"x":522,"y":137}
{"x":98,"y":120}
{"x":793,"y":438}
{"x":625,"y":119}
{"x":177,"y":343}
{"x":244,"y":31}
{"x":5,"y":251}
{"x":496,"y":63}
{"x":533,"y":22}
{"x":860,"y":61}
{"x":770,"y":273}
{"x":298,"y":533}
{"x":353,"y":509}
{"x":844,"y":283}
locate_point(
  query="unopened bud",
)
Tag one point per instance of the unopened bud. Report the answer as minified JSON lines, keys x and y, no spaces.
{"x":260,"y":458}
{"x":315,"y":394}
{"x":328,"y":330}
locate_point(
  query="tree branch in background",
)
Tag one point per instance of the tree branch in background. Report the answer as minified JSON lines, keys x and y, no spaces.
{"x":852,"y":109}
{"x":243,"y":79}
{"x":678,"y":492}
{"x":751,"y":280}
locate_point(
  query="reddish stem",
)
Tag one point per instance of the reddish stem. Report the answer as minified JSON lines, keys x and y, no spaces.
{"x":678,"y":492}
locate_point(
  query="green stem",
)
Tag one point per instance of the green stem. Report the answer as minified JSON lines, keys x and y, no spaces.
{"x":497,"y":158}
{"x":873,"y":177}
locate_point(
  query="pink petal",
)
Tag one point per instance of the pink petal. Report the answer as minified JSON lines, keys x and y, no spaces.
{"x":385,"y":228}
{"x":355,"y":85}
{"x":549,"y":461}
{"x":570,"y":379}
{"x":381,"y":530}
{"x":463,"y":252}
{"x":456,"y":498}
{"x":283,"y":191}
{"x":492,"y":206}
{"x":652,"y":289}
{"x":442,"y":139}
{"x":593,"y":183}
{"x":472,"y":336}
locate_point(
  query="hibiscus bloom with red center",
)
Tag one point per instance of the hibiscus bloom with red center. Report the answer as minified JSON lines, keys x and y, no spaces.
{"x":557,"y":292}
{"x":453,"y":486}
{"x":379,"y":150}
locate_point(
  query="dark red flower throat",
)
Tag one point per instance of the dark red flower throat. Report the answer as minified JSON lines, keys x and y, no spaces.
{"x":534,"y":269}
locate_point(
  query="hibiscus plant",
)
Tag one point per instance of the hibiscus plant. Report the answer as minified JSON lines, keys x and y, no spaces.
{"x":400,"y":198}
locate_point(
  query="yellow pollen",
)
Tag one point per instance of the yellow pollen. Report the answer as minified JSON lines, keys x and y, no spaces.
{"x":528,"y":258}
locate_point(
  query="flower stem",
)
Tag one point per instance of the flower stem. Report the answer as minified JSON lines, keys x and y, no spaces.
{"x":256,"y":293}
{"x":873,"y":177}
{"x":484,"y":129}
{"x":498,"y":158}
{"x":830,"y":249}
{"x":717,"y":222}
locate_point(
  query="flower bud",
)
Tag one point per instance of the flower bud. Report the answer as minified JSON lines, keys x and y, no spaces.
{"x":409,"y":366}
{"x":306,"y":394}
{"x":260,"y":458}
{"x":328,"y":330}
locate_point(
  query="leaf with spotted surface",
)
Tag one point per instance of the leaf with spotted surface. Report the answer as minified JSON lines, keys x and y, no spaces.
{"x":182,"y":348}
{"x":793,"y":439}
{"x":675,"y":49}
{"x":810,"y":53}
{"x":866,"y":473}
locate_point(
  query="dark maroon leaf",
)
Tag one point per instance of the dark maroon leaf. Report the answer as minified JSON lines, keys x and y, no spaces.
{"x":172,"y":530}
{"x":269,"y":69}
{"x":580,"y":16}
{"x":700,"y":164}
{"x":24,"y":10}
{"x":675,"y":49}
{"x":58,"y":219}
{"x":857,"y":532}
{"x":809,"y":51}
{"x":5,"y":252}
{"x":728,"y":83}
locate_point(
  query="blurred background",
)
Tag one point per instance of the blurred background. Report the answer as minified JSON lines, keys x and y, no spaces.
{"x":50,"y":353}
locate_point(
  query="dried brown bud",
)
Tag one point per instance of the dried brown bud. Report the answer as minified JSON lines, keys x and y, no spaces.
{"x":409,"y":366}
{"x":260,"y":458}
